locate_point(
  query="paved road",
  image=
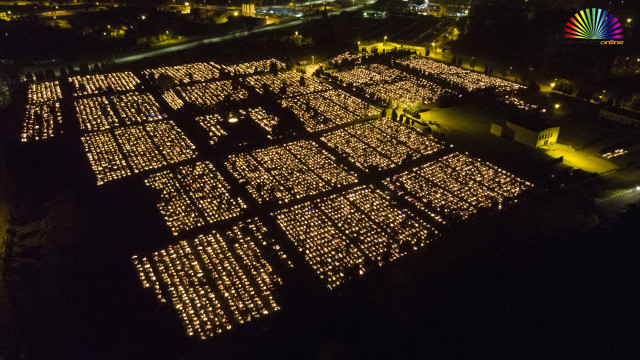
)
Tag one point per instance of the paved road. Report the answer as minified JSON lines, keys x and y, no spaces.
{"x":55,"y":64}
{"x":216,"y":39}
{"x":620,"y":202}
{"x":211,"y":40}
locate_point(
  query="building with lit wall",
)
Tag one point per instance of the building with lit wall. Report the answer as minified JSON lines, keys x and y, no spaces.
{"x":530,"y":133}
{"x":249,"y":9}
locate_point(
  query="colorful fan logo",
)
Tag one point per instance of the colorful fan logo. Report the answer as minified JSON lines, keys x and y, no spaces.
{"x":593,"y":24}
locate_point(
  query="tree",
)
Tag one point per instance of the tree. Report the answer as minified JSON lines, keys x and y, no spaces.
{"x":303,"y":81}
{"x":609,"y":102}
{"x":165,"y":81}
{"x":394,"y":115}
{"x":273,"y":68}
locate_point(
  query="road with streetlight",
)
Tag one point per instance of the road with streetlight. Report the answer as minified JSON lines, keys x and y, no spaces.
{"x":216,"y":39}
{"x":620,"y":202}
{"x":139,"y":55}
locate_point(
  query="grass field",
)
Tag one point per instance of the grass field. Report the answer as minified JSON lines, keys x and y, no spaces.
{"x":467,"y":127}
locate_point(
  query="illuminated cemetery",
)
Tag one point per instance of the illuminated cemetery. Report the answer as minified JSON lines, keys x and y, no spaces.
{"x":326,"y":188}
{"x":43,"y":118}
{"x":237,"y":287}
{"x":318,"y":180}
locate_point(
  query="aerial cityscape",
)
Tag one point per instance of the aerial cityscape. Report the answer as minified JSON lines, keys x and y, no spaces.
{"x":349,"y":179}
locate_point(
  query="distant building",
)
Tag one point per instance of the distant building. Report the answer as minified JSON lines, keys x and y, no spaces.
{"x":426,"y":9}
{"x":374,"y":14}
{"x":461,"y":8}
{"x":249,"y":9}
{"x":620,"y":115}
{"x":180,"y":9}
{"x":280,"y":11}
{"x":530,"y":133}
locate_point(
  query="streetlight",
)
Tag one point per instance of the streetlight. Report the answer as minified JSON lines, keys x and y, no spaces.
{"x":385,"y":39}
{"x":296,"y":33}
{"x":557,"y":106}
{"x":313,"y":60}
{"x":553,"y":85}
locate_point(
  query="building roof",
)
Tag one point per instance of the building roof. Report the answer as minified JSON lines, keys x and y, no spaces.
{"x":627,"y":113}
{"x":532,"y":124}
